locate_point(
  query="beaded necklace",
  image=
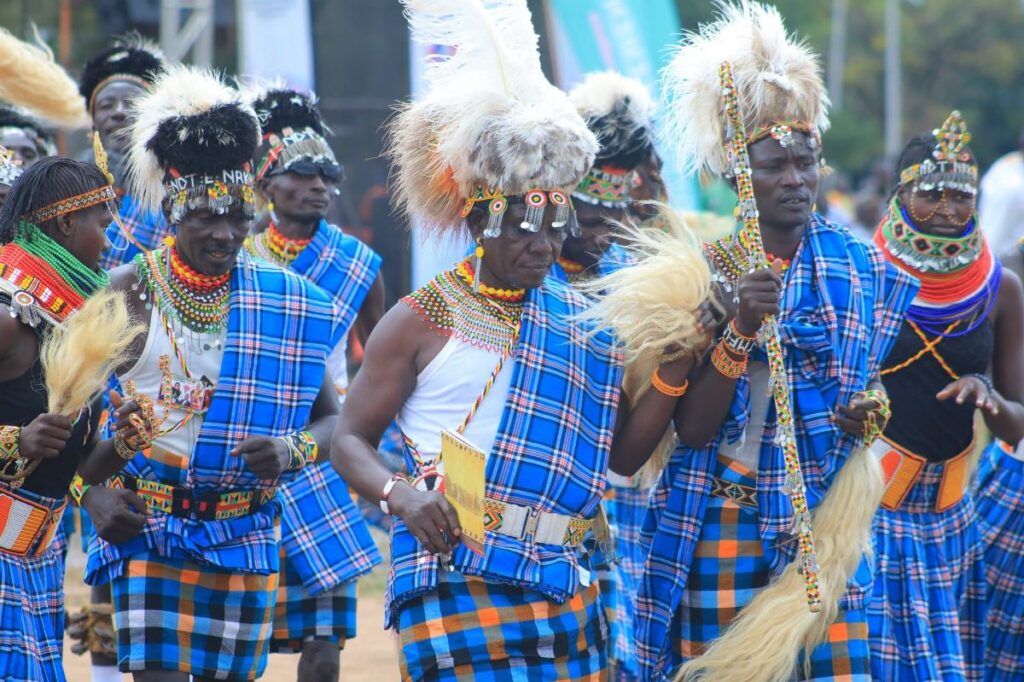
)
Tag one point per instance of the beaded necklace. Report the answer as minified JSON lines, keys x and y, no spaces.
{"x":271,"y":245}
{"x":449,"y":304}
{"x":468,"y":272}
{"x":196,"y":301}
{"x":951,"y":290}
{"x":43,"y":277}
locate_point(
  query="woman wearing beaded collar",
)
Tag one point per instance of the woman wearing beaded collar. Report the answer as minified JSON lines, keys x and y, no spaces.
{"x":52,"y":235}
{"x":965,"y":326}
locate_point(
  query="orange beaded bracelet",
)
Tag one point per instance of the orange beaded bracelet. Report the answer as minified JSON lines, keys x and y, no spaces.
{"x":666,"y":389}
{"x":727,"y":366}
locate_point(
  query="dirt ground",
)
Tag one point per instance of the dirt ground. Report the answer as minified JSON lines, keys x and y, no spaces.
{"x":370,"y":657}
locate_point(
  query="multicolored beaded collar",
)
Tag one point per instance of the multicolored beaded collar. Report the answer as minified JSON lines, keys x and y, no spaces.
{"x":196,"y":301}
{"x":536,"y":201}
{"x":43,"y":279}
{"x":451,"y":306}
{"x":271,"y":245}
{"x":959,"y":276}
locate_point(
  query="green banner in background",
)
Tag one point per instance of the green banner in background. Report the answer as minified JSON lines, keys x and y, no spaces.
{"x":632,"y":37}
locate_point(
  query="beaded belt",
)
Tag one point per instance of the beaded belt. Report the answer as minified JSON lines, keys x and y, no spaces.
{"x":526,"y":523}
{"x":26,"y":527}
{"x":902,"y":468}
{"x":743,"y":495}
{"x":199,"y":505}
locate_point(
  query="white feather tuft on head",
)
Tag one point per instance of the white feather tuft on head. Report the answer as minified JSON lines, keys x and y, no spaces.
{"x":180,"y":91}
{"x":778,"y":78}
{"x":489,"y":117}
{"x":606,"y":92}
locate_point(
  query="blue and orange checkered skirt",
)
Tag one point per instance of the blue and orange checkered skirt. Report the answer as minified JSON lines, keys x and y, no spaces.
{"x":728,"y":571}
{"x":32,"y":611}
{"x":299,"y":617}
{"x":172,"y":614}
{"x":926,"y":614}
{"x":1000,"y":507}
{"x":472,"y":629}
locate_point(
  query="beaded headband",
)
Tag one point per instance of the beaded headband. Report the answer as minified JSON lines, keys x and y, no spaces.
{"x":72,"y":204}
{"x":536,"y":201}
{"x":217,"y":193}
{"x":294,"y":145}
{"x":606,"y":186}
{"x":782,"y":132}
{"x":951,"y":165}
{"x":10,"y":167}
{"x":126,"y":77}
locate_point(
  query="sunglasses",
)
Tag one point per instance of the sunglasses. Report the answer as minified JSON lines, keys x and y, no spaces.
{"x":327,"y":170}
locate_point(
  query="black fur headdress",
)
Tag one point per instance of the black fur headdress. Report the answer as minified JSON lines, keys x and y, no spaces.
{"x":192,"y":144}
{"x":130,"y":57}
{"x":292,"y":130}
{"x":41,"y":136}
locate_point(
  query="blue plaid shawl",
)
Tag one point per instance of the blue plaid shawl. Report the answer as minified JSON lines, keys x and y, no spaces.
{"x":322,"y":532}
{"x":146,"y":230}
{"x":615,"y":258}
{"x":280,"y":330}
{"x":841,"y":310}
{"x":551,"y":453}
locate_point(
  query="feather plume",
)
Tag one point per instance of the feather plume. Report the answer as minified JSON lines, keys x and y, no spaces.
{"x":79,"y":355}
{"x":489,"y":116}
{"x":778,"y":78}
{"x":653,"y":306}
{"x":34,"y":81}
{"x":190,"y":120}
{"x":620,"y":112}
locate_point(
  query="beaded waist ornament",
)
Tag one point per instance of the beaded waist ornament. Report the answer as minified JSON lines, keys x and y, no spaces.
{"x":785,"y":437}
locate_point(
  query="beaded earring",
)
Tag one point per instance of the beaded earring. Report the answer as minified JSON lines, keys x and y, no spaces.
{"x":270,"y":210}
{"x":479,"y":253}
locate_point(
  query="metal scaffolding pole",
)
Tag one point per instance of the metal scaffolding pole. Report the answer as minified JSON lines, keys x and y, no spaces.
{"x":187,"y":25}
{"x":893,"y":80}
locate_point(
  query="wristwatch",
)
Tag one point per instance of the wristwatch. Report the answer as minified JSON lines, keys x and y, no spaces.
{"x":395,"y":478}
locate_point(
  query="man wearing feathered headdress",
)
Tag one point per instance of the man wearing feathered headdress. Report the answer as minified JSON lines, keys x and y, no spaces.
{"x":110,"y":82}
{"x":325,"y":544}
{"x":235,"y":362}
{"x":721,"y":593}
{"x":507,"y":406}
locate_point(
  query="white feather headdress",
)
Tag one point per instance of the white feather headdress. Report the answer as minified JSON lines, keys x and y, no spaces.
{"x":191,"y":126}
{"x":778,"y":79}
{"x":489,"y":118}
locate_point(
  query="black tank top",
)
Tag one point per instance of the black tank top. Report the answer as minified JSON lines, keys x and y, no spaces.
{"x":22,"y":399}
{"x":934,"y":429}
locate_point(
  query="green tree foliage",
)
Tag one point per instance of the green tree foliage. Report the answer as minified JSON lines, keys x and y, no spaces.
{"x":956,"y":55}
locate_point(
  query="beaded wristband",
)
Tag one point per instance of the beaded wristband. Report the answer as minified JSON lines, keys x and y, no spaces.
{"x":983,"y":379}
{"x":736,"y":341}
{"x":123,"y":450}
{"x":78,"y":489}
{"x":302,"y":449}
{"x":667,"y":389}
{"x":10,"y":441}
{"x":727,"y":366}
{"x":878,"y":417}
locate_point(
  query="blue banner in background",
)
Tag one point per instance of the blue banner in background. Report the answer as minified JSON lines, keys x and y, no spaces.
{"x":632,"y":37}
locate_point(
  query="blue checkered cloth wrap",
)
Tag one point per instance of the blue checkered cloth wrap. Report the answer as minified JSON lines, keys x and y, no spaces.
{"x":999,"y":497}
{"x":143,"y":232}
{"x":842,"y":307}
{"x":626,"y":513}
{"x":329,"y":616}
{"x":325,"y":539}
{"x":926,"y":614}
{"x":615,"y":258}
{"x":280,"y":331}
{"x":551,"y":453}
{"x":32,"y":610}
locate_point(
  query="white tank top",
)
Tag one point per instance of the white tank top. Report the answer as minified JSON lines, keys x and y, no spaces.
{"x":747,"y":450}
{"x":191,"y":392}
{"x":445,"y":392}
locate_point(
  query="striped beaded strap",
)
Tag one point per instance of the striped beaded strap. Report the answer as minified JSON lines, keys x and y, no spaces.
{"x":505,"y":354}
{"x":751,"y":235}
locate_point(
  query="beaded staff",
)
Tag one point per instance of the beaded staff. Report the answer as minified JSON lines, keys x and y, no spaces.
{"x":750,"y":235}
